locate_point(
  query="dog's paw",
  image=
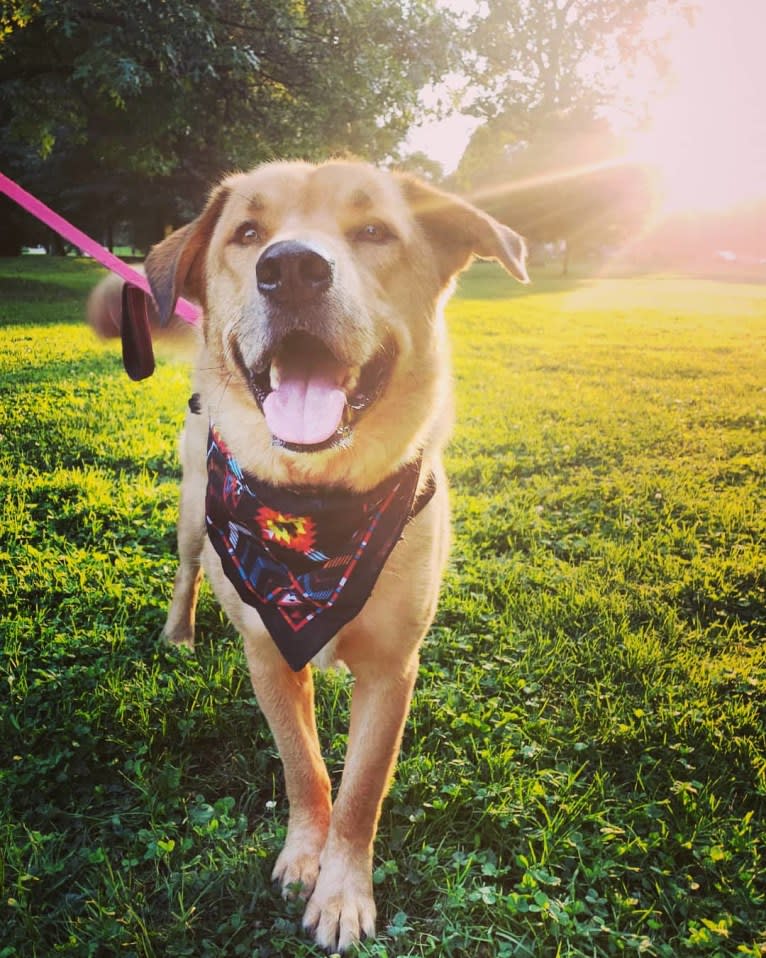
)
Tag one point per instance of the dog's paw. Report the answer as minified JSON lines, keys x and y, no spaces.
{"x":297,"y":866}
{"x":342,"y":909}
{"x":179,"y":637}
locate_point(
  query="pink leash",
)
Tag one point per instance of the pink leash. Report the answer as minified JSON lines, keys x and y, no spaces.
{"x":186,"y":310}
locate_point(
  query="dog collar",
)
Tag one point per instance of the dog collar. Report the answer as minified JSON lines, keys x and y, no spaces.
{"x":306,"y":562}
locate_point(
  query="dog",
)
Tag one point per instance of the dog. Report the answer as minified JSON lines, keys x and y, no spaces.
{"x":313,"y":492}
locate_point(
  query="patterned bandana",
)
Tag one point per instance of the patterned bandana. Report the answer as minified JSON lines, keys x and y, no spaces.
{"x":307,"y":563}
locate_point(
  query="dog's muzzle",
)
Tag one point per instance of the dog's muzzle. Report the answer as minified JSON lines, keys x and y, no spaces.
{"x":309,"y":390}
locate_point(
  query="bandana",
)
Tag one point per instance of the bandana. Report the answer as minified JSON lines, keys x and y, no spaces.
{"x":307,"y":563}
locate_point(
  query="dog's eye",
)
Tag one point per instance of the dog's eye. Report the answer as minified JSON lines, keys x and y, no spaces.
{"x":374,"y":233}
{"x":247,"y":234}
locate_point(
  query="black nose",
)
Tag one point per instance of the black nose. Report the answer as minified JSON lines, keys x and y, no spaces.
{"x":292,"y":273}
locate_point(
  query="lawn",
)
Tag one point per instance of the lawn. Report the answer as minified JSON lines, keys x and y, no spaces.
{"x":584,"y":768}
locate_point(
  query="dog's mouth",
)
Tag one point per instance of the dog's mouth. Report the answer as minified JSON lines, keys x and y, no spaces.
{"x":310,"y":399}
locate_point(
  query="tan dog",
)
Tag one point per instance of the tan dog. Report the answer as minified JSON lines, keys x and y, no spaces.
{"x":325,"y":369}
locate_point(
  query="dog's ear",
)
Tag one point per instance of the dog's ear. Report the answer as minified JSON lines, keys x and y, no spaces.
{"x":459,"y":231}
{"x":176,"y":266}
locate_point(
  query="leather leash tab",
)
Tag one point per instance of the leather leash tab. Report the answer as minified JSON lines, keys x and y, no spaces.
{"x":136,"y":334}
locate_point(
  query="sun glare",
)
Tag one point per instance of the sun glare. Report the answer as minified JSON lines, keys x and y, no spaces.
{"x":707,"y":137}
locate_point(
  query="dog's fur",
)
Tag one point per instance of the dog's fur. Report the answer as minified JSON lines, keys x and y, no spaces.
{"x":394,"y":245}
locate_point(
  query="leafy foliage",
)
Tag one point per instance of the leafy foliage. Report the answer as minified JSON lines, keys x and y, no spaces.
{"x":543,"y":71}
{"x":136,"y":109}
{"x":533,"y":59}
{"x":584,"y":768}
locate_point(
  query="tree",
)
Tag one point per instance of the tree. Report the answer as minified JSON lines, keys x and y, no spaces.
{"x":533,"y":59}
{"x":569,"y":184}
{"x":133,"y":110}
{"x":546,"y":71}
{"x":421,"y":165}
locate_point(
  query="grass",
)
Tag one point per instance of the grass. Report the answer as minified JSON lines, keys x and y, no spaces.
{"x":584,"y":769}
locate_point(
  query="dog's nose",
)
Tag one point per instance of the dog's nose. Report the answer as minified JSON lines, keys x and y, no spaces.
{"x":292,"y":273}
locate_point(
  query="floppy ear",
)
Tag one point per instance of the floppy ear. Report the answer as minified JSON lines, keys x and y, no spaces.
{"x":176,"y":266}
{"x":459,"y":231}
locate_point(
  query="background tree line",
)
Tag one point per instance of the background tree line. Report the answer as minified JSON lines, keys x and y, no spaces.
{"x":125,"y":113}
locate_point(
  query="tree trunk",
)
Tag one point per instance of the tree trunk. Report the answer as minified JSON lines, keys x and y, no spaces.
{"x":109,"y":234}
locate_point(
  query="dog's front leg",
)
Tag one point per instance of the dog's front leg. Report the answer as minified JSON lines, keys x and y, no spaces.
{"x":179,"y":625}
{"x":342,"y":908}
{"x":286,"y":699}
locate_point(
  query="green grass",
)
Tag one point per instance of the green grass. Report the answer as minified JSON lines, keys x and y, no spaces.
{"x":584,"y":769}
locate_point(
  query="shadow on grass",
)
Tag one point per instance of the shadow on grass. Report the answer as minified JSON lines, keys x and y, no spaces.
{"x":106,"y":364}
{"x":32,"y":289}
{"x":44,"y":290}
{"x":33,"y":313}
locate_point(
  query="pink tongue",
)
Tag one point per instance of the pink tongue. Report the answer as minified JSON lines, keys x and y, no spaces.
{"x":304,"y":409}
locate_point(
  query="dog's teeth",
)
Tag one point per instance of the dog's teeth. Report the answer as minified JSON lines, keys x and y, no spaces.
{"x":274,"y":377}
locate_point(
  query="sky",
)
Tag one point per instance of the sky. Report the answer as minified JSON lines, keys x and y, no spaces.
{"x":708,"y":135}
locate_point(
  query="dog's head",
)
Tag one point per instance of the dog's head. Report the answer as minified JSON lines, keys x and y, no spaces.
{"x":321,"y":288}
